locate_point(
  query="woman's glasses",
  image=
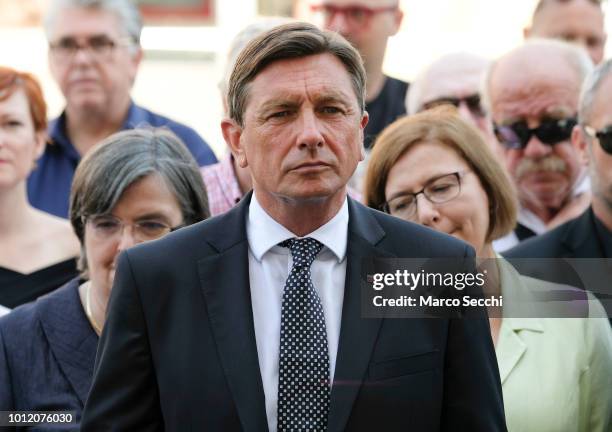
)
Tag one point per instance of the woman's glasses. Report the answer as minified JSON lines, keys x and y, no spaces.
{"x":438,"y":191}
{"x":550,"y":132}
{"x":107,"y":227}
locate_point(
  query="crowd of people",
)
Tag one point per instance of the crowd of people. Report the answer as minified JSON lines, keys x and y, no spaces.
{"x":146,"y":285}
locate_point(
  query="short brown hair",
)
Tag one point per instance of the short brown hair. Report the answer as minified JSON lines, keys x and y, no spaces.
{"x":12,"y":80}
{"x":444,"y":125}
{"x":289,"y":41}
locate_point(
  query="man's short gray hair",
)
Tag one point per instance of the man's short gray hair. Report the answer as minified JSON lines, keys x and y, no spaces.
{"x":576,"y":57}
{"x":590,"y":88}
{"x":125,"y":157}
{"x":127,"y":12}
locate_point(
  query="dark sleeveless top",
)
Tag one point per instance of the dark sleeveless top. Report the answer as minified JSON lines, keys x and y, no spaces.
{"x":19,"y":288}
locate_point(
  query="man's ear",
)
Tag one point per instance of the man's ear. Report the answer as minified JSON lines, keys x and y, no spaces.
{"x":397,"y":22}
{"x":232,"y":132}
{"x":363,"y":123}
{"x":581,"y":144}
{"x":526,"y":32}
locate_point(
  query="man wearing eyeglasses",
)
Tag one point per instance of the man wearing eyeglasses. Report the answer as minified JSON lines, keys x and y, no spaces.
{"x":367,"y":25}
{"x":578,"y":21}
{"x":94,"y":54}
{"x":532,"y":93}
{"x":454,"y":79}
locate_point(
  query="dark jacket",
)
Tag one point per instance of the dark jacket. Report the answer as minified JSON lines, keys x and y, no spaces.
{"x":47,"y":353}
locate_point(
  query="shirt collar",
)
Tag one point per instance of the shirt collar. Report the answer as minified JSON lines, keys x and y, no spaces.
{"x":264,"y":233}
{"x":57,"y":129}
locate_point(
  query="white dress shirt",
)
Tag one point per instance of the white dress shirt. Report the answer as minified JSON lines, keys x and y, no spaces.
{"x":269,"y":267}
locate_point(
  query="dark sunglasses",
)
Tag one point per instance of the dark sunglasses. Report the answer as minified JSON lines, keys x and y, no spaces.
{"x":603,"y":135}
{"x":472,"y":102}
{"x":550,"y":132}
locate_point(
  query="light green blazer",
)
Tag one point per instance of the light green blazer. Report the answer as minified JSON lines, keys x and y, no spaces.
{"x":556,"y":373}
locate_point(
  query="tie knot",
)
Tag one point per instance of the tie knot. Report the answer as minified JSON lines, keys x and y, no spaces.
{"x":303,"y":250}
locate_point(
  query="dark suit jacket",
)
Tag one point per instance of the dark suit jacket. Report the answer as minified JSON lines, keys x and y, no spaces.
{"x":47,"y":353}
{"x":576,"y":238}
{"x":178,"y":351}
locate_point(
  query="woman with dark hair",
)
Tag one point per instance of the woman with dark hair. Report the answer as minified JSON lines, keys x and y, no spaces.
{"x":435,"y":169}
{"x":135,"y":186}
{"x":39,"y":251}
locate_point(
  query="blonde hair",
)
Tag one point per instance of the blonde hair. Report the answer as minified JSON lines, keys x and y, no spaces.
{"x":444,"y":125}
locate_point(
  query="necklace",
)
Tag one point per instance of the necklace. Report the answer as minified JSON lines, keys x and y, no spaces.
{"x":90,"y":316}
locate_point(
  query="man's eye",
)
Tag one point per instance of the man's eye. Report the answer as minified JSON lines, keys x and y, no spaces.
{"x":101,"y":43}
{"x":67,"y":44}
{"x":280,"y":114}
{"x":331,"y":110}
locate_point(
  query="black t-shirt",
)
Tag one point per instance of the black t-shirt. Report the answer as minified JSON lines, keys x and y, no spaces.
{"x":385,"y":109}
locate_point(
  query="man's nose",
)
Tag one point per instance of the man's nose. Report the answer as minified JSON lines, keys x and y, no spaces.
{"x":536,"y":149}
{"x":427,"y":213}
{"x":337,"y":22}
{"x":83,"y":55}
{"x":310,"y":135}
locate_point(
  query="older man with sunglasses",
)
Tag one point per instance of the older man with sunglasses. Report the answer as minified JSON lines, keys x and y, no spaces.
{"x":589,"y":235}
{"x":454,"y":79}
{"x":532,"y":93}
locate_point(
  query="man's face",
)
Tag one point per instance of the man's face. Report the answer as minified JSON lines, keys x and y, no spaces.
{"x":303,"y":130}
{"x":99,"y":75}
{"x":578,"y":21}
{"x":533,"y":90}
{"x":367,"y":24}
{"x":598,"y":161}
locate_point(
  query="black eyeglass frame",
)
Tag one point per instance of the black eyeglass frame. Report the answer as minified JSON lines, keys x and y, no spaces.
{"x":473,"y":102}
{"x":604,"y":136}
{"x":523,"y":136}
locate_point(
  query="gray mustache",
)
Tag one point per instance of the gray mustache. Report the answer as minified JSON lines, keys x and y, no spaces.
{"x":551,"y":163}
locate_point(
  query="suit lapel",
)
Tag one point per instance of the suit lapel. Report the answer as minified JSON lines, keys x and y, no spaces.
{"x":581,"y":239}
{"x":357,"y":335}
{"x":224,"y":279}
{"x":70,"y":336}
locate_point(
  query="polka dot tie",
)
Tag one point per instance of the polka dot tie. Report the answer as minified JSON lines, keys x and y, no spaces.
{"x":303,"y":382}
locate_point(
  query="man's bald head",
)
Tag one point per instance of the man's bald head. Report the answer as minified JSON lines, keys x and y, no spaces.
{"x":452,"y":75}
{"x":578,"y":21}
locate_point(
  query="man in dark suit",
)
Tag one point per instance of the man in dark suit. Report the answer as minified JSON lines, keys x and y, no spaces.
{"x":590,"y":234}
{"x":252,"y":320}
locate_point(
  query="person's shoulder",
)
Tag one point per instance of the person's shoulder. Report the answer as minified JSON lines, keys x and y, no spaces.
{"x":397,"y":86}
{"x":25,"y":319}
{"x":547,"y":245}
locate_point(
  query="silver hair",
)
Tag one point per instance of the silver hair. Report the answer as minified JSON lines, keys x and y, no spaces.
{"x":126,"y":11}
{"x":590,"y":88}
{"x":414,"y":97}
{"x":125,"y":157}
{"x":576,"y":57}
{"x":241,"y":40}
